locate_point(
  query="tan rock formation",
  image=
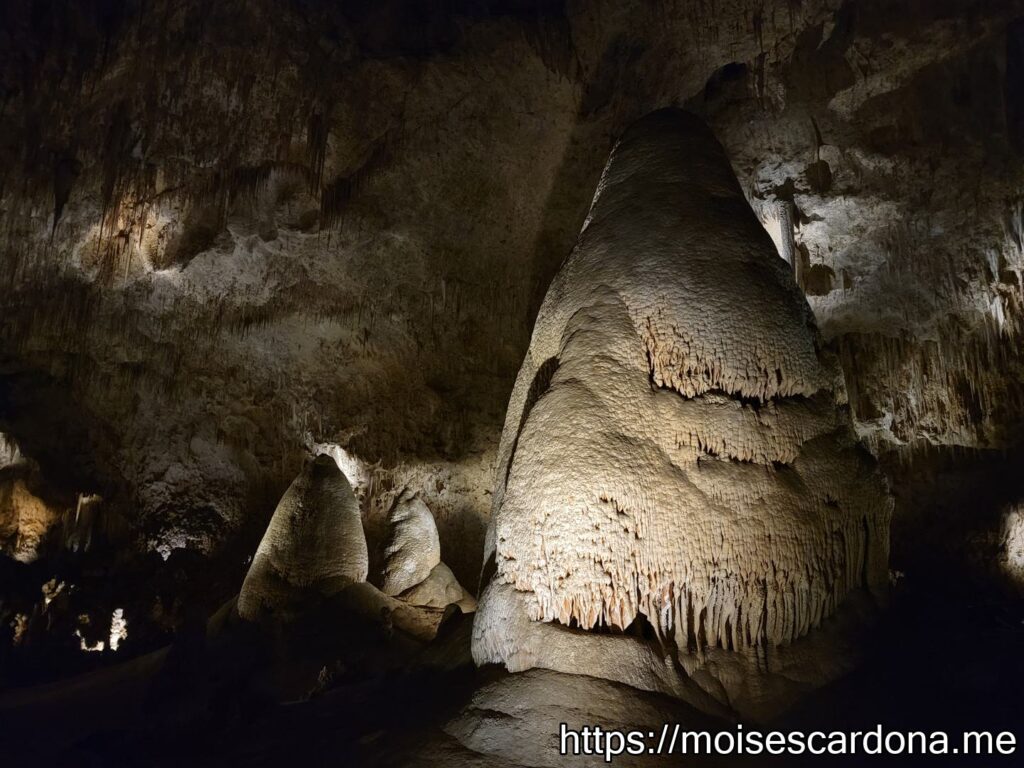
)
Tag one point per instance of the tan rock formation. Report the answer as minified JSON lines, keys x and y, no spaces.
{"x":313,"y":546}
{"x":676,"y":445}
{"x":413,"y":548}
{"x":25,"y":519}
{"x":516,"y":720}
{"x":439,"y":590}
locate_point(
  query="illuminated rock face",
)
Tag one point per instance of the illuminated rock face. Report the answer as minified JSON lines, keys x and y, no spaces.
{"x":413,"y":548}
{"x":439,"y":590}
{"x":677,"y":445}
{"x":413,"y":571}
{"x":25,"y":520}
{"x":9,"y":452}
{"x":313,"y":547}
{"x":1012,"y":548}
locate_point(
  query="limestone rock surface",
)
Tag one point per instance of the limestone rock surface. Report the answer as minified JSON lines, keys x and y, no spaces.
{"x":677,"y":445}
{"x":25,"y":519}
{"x":313,"y":546}
{"x":516,"y":720}
{"x":439,"y":590}
{"x":413,"y":548}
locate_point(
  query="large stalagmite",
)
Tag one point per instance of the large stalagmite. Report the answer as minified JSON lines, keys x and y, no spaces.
{"x":313,"y":547}
{"x":677,"y":444}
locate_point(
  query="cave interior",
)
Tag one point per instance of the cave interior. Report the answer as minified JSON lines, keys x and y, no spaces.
{"x":386,"y":382}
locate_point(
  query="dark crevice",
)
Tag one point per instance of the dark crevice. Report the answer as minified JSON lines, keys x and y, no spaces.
{"x":1014,"y":84}
{"x":540,"y":384}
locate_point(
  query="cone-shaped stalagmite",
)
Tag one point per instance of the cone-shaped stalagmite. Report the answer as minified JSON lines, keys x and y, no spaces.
{"x":313,"y":546}
{"x":413,"y":548}
{"x":677,"y":444}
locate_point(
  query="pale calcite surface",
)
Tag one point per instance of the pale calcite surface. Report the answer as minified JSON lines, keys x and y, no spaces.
{"x":439,"y":590}
{"x":313,"y":546}
{"x":677,"y":444}
{"x":1011,"y":558}
{"x":413,"y":548}
{"x":10,"y":453}
{"x":516,"y":721}
{"x":521,"y":644}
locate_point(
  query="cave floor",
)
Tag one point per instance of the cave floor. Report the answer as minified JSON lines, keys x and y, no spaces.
{"x":942,"y":659}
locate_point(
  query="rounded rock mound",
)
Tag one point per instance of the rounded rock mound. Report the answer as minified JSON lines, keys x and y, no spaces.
{"x":313,"y":546}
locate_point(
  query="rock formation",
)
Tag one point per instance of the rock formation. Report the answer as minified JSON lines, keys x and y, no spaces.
{"x":413,"y":571}
{"x":314,"y":545}
{"x":517,"y":720}
{"x":677,"y":445}
{"x":439,"y":590}
{"x":25,"y":519}
{"x":9,"y":452}
{"x":1011,"y":558}
{"x":413,"y":548}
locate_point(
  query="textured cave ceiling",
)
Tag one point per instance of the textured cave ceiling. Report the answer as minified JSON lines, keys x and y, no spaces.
{"x":235,"y":231}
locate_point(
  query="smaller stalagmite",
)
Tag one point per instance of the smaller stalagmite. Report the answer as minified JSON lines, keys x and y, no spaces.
{"x":413,"y":548}
{"x":313,"y":547}
{"x":413,"y":571}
